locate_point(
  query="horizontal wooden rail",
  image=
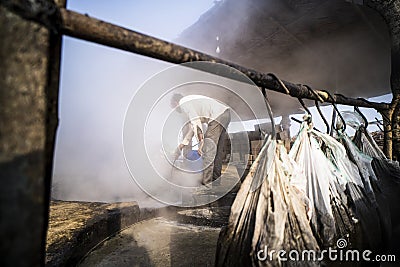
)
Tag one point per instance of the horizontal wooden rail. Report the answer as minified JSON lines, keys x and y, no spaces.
{"x":90,"y":29}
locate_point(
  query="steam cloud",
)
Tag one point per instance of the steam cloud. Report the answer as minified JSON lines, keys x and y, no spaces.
{"x":89,"y":163}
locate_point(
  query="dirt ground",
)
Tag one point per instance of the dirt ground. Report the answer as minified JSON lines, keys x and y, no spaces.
{"x":178,"y":237}
{"x":158,"y":242}
{"x":169,"y":236}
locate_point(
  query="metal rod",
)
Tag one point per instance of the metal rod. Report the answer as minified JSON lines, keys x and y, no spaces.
{"x":300,"y":122}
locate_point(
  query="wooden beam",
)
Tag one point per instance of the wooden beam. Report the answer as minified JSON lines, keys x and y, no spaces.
{"x":90,"y":29}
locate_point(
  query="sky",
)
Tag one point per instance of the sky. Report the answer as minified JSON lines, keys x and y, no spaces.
{"x":96,"y":86}
{"x":159,"y":18}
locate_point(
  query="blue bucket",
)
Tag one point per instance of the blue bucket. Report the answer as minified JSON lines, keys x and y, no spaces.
{"x":193,"y":161}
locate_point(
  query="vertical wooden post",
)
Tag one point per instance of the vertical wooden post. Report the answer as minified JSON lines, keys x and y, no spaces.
{"x":387,"y":137}
{"x":395,"y":126}
{"x":390,"y":12}
{"x":52,"y":96}
{"x":29,"y":77}
{"x":285,"y":123}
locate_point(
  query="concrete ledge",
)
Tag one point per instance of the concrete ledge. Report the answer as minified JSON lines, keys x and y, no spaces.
{"x":77,"y":227}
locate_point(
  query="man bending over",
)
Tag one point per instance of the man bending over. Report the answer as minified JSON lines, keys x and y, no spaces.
{"x":202,"y":109}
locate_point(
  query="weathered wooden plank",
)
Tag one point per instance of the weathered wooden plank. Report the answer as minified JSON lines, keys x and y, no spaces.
{"x":28,"y":120}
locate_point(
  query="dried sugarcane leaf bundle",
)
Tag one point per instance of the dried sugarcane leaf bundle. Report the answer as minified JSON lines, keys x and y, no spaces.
{"x":299,"y":232}
{"x":357,"y":211}
{"x":364,"y":141}
{"x":363,"y":163}
{"x":234,"y":244}
{"x":381,"y":223}
{"x":366,"y":144}
{"x":387,"y":173}
{"x":267,"y":213}
{"x":306,"y":152}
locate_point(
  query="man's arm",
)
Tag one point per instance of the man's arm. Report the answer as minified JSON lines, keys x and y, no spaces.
{"x":197,"y":127}
{"x":200,"y":137}
{"x":195,"y":123}
{"x":188,"y":137}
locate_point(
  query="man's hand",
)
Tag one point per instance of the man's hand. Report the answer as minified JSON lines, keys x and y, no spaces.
{"x":181,"y":146}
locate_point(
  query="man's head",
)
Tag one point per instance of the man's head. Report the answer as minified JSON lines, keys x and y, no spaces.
{"x":175,"y":100}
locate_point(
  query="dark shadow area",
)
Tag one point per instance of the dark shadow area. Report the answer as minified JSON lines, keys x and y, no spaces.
{"x":21,"y":209}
